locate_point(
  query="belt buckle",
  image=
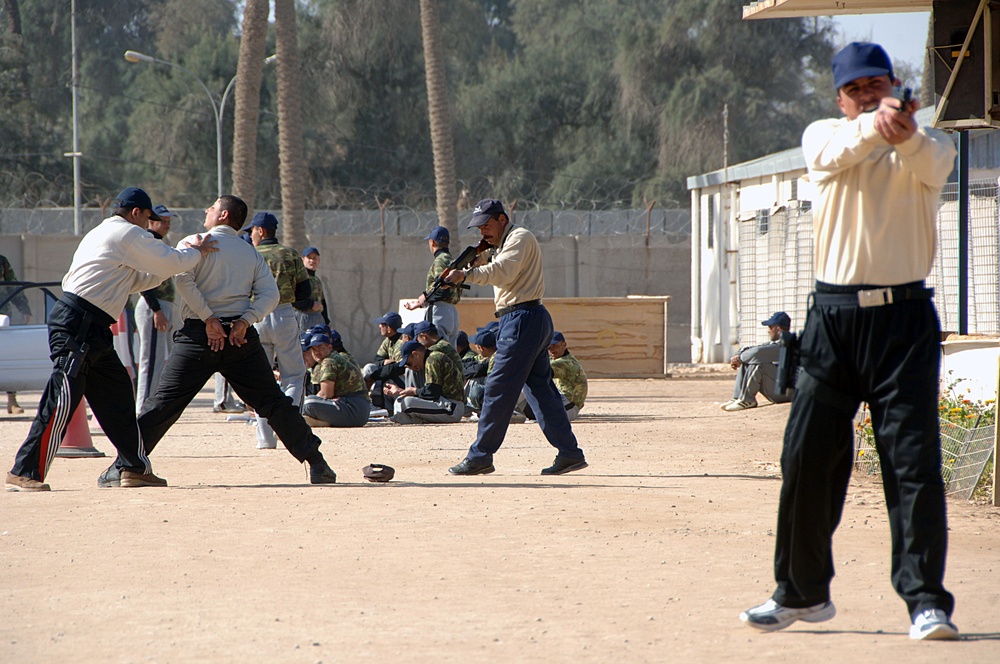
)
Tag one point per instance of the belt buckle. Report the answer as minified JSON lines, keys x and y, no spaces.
{"x":876,"y":297}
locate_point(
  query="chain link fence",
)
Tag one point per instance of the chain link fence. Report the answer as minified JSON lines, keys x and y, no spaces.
{"x":776,"y":263}
{"x":675,"y":225}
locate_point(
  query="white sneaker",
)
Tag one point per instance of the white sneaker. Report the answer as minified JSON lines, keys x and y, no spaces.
{"x":734,"y":406}
{"x":771,"y":616}
{"x":726,"y":403}
{"x":933,"y":624}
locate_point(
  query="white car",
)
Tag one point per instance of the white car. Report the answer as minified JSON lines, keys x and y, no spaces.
{"x":24,"y":349}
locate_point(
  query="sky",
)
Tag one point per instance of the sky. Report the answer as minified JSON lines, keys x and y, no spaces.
{"x":903,"y":36}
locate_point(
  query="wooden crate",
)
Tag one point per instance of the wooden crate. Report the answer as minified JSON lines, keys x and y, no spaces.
{"x":613,"y":337}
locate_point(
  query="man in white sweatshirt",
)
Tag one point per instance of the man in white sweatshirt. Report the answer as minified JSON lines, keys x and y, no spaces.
{"x":116,"y":258}
{"x":871,"y":335}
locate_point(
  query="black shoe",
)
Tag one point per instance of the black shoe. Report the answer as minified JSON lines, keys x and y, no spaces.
{"x":563,"y":465}
{"x":110,"y":478}
{"x":469,"y":468}
{"x":321,"y":473}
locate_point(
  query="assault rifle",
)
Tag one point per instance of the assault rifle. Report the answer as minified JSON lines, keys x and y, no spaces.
{"x":464,"y":260}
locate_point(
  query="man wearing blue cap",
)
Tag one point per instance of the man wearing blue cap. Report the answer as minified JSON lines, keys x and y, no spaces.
{"x":871,"y":334}
{"x":154,"y":321}
{"x":317,"y":314}
{"x":116,"y":258}
{"x":440,"y":399}
{"x":383,"y":367}
{"x":476,"y":369}
{"x":522,"y":358}
{"x":757,"y":367}
{"x":341,"y":399}
{"x":441,"y":310}
{"x":279,"y":330}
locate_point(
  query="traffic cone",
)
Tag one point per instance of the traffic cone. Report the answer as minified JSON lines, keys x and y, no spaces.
{"x":76,"y":442}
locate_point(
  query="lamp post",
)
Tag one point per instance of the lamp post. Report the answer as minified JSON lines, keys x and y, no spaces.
{"x":217,"y":109}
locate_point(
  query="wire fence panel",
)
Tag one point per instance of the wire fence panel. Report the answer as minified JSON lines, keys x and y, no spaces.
{"x":775,"y":269}
{"x":776,"y":263}
{"x":965,"y":453}
{"x":983,"y":270}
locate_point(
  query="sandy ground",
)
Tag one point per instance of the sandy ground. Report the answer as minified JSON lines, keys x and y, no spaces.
{"x":649,"y":555}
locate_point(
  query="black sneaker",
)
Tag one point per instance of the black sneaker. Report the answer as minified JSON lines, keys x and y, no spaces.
{"x":470,"y":468}
{"x":563,"y":465}
{"x":110,"y":478}
{"x":321,"y":473}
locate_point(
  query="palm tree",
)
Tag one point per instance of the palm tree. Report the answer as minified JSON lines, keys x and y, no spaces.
{"x":442,"y":141}
{"x":290,"y":142}
{"x":249,"y":73}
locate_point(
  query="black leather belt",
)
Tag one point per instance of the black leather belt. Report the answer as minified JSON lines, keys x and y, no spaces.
{"x":514,"y":307}
{"x":869,"y":296}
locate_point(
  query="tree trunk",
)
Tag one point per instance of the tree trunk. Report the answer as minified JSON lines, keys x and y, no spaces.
{"x":290,"y":141}
{"x":442,"y":140}
{"x":249,"y":72}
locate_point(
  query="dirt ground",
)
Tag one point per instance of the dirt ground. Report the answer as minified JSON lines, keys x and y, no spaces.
{"x":648,"y":555}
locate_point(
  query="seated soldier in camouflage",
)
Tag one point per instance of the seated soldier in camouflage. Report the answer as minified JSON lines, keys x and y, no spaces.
{"x":427,"y":334}
{"x":336,"y":340}
{"x":475,"y":369}
{"x":342,"y":400}
{"x":569,"y":377}
{"x":440,"y":399}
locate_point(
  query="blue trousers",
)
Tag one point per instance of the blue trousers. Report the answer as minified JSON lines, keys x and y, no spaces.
{"x":522,"y":361}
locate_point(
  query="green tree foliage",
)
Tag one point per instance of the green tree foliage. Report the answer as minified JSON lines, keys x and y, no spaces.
{"x":555,"y":102}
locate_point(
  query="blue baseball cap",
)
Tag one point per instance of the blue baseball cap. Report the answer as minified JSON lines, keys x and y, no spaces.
{"x":557,"y":337}
{"x":424,"y":326}
{"x":304,"y":340}
{"x":263,"y":220}
{"x":484,"y":337}
{"x":408,"y":330}
{"x":462,"y":340}
{"x":392,"y":319}
{"x":485,"y":210}
{"x":133,"y":197}
{"x":439,"y":234}
{"x":857,"y":60}
{"x":162,"y":211}
{"x":318,"y":339}
{"x":779,"y":318}
{"x":407,"y":350}
{"x":310,"y":250}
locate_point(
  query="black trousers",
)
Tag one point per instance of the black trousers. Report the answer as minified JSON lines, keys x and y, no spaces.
{"x":887,"y":356}
{"x":102,"y":379}
{"x":191,"y":363}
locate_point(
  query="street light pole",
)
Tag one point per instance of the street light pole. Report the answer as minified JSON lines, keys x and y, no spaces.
{"x":135,"y":56}
{"x":217,"y":109}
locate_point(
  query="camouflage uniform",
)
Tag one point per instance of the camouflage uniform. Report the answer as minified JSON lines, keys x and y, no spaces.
{"x":442,"y":346}
{"x":350,"y":405}
{"x":441,"y":399}
{"x":442,"y":311}
{"x":279,"y":331}
{"x":571,"y":381}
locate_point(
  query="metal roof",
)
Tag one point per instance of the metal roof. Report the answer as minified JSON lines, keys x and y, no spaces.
{"x":794,"y":8}
{"x":774,"y":163}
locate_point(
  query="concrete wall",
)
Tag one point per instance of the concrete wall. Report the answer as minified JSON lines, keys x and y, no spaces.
{"x":366,"y":275}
